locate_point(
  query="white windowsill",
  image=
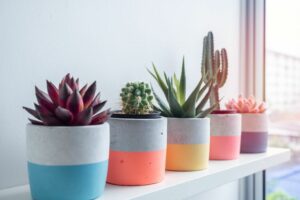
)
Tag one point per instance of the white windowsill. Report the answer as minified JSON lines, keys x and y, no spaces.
{"x":180,"y":185}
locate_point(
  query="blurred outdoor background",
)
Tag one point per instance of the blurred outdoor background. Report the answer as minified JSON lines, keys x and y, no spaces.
{"x":283,"y":94}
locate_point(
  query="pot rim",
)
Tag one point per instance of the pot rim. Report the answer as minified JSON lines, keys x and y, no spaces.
{"x":192,"y":118}
{"x":68,"y":127}
{"x":264,"y":113}
{"x":137,"y":119}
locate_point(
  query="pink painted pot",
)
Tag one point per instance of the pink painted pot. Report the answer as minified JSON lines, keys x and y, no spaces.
{"x":225,"y":136}
{"x":254,"y":133}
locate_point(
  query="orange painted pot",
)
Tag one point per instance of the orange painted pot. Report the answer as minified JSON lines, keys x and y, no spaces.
{"x":137,"y":151}
{"x":225,"y":136}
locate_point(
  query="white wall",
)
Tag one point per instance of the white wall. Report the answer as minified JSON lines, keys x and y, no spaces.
{"x":111,"y":41}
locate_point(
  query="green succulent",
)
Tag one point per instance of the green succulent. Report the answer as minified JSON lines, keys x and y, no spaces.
{"x":137,"y":98}
{"x":174,"y":90}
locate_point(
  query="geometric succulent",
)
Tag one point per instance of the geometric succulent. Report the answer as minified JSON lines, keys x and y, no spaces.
{"x":174,"y":90}
{"x":68,"y":105}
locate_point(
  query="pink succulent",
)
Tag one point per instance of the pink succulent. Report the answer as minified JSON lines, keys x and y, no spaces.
{"x":244,"y":105}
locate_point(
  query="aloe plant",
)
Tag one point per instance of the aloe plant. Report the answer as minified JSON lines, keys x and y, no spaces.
{"x":174,"y":90}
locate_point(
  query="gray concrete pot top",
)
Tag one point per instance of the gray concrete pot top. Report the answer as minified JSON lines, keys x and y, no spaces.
{"x":135,"y":135}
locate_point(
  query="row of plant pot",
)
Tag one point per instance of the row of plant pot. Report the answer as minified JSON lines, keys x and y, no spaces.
{"x":73,"y":151}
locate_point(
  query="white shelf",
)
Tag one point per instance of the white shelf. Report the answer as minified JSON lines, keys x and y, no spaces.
{"x":180,"y":185}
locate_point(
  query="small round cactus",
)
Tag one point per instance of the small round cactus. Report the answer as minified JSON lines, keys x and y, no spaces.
{"x":136,"y":98}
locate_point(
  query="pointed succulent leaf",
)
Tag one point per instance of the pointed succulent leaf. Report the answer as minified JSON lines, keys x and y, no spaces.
{"x":189,"y":106}
{"x":83,"y":89}
{"x":175,"y":107}
{"x":159,"y":80}
{"x":207,"y":111}
{"x":64,"y":93}
{"x":44,"y":100}
{"x":53,"y":92}
{"x":204,"y":101}
{"x":101,"y":117}
{"x":63,"y":114}
{"x":163,"y":107}
{"x":89,"y":95}
{"x":32,"y":112}
{"x":96,"y":100}
{"x":98,"y":107}
{"x":182,"y":85}
{"x":85,"y":117}
{"x":35,"y":122}
{"x":75,"y":102}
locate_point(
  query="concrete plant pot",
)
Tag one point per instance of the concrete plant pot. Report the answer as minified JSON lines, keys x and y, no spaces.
{"x":137,"y":151}
{"x":254,"y":133}
{"x":188,"y":144}
{"x":225,"y":139}
{"x":67,"y":162}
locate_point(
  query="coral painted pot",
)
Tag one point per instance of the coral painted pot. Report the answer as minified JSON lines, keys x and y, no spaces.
{"x":67,"y":162}
{"x":225,"y":139}
{"x":254,"y":133}
{"x":137,"y":151}
{"x":188,"y":144}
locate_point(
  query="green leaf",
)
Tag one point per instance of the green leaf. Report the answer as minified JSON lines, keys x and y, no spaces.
{"x":182,"y":85}
{"x":210,"y":82}
{"x":204,"y":100}
{"x":163,"y":107}
{"x":175,"y":107}
{"x":189,"y":106}
{"x":177,"y":85}
{"x":207,"y":111}
{"x":159,"y":80}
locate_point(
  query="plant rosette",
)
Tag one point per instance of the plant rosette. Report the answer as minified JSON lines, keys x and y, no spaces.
{"x":225,"y":138}
{"x":138,"y":139}
{"x":188,"y":144}
{"x":254,"y":124}
{"x":67,"y":143}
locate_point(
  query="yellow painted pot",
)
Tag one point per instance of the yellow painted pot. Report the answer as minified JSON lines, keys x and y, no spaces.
{"x":188,"y":144}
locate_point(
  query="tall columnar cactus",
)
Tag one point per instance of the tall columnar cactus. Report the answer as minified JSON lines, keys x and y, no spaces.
{"x":214,"y":65}
{"x":136,"y":98}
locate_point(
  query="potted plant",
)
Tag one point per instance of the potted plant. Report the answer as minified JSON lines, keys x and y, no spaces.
{"x":68,"y":142}
{"x":225,"y":125}
{"x":254,"y":124}
{"x":188,"y":126}
{"x":138,"y":139}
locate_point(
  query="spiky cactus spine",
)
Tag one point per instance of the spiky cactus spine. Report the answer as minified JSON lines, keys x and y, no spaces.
{"x":214,"y":65}
{"x":136,"y":98}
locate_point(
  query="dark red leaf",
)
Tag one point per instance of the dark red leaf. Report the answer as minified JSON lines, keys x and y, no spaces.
{"x":89,"y":95}
{"x":98,"y":107}
{"x":53,"y":92}
{"x":46,"y":116}
{"x":64,"y":94}
{"x":44,"y":100}
{"x":32,"y":112}
{"x":96,"y":100}
{"x":77,"y":82}
{"x":35,"y":122}
{"x":83,"y":90}
{"x":75,"y":102}
{"x":101,"y":117}
{"x":85,"y":117}
{"x":73,"y":84}
{"x":63,"y":114}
